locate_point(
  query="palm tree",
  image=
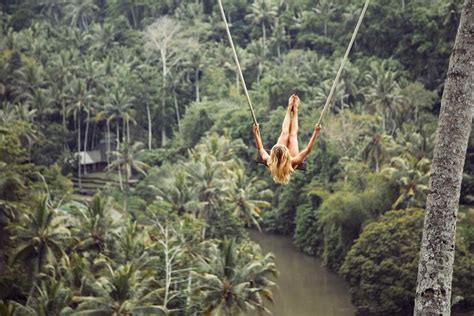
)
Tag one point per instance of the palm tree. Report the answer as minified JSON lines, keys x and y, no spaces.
{"x":383,"y":91}
{"x":197,"y":61}
{"x":40,"y":237}
{"x":143,"y":91}
{"x":123,"y":290}
{"x":81,"y":12}
{"x":434,"y":283}
{"x":207,"y":177}
{"x":27,"y":79}
{"x":279,"y":36}
{"x":41,"y":100}
{"x":75,"y":270}
{"x":80,"y":98}
{"x":52,"y":297}
{"x":59,"y":72}
{"x":93,"y":81}
{"x":128,"y":161}
{"x":321,"y":92}
{"x":176,"y":194}
{"x":133,"y":10}
{"x":411,"y":175}
{"x":234,"y":282}
{"x":179,"y":80}
{"x":217,"y":148}
{"x":221,"y":56}
{"x":325,"y":9}
{"x":103,"y":38}
{"x":246,"y":197}
{"x":375,"y":152}
{"x":54,"y":10}
{"x":263,"y":13}
{"x":259,"y":55}
{"x":95,"y":223}
{"x":130,"y":247}
{"x":120,"y":107}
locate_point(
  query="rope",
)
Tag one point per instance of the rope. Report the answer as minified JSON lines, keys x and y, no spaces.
{"x":237,"y":62}
{"x":343,"y":62}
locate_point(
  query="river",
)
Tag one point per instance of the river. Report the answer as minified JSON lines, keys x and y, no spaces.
{"x":305,"y":287}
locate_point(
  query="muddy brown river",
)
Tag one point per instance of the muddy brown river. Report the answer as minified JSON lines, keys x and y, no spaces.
{"x":305,"y":287}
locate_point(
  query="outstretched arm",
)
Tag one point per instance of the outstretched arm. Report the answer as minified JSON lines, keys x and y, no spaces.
{"x":258,"y":142}
{"x":298,"y":159}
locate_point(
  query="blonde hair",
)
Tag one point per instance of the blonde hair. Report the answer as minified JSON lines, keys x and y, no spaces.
{"x":279,"y":164}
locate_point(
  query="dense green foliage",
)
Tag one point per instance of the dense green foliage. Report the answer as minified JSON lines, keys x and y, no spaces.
{"x":99,"y":258}
{"x":156,"y":81}
{"x":381,"y":266}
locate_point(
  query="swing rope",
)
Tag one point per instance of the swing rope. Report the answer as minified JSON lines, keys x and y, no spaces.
{"x":343,"y":62}
{"x":237,"y":63}
{"x":336,"y":80}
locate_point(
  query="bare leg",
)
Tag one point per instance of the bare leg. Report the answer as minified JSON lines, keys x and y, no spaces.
{"x":293,"y":138}
{"x":285,"y":128}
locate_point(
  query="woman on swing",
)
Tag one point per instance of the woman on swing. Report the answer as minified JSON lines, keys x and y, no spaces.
{"x":285,"y":156}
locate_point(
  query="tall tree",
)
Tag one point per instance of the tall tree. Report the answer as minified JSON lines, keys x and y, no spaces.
{"x":165,"y":36}
{"x":383,"y":92}
{"x":235,"y":280}
{"x":263,"y":13}
{"x":325,"y":9}
{"x":81,"y":12}
{"x":40,"y":238}
{"x":79,"y":98}
{"x":127,"y":160}
{"x":435,"y":270}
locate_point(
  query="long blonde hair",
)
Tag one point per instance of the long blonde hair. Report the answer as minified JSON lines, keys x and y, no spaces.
{"x":279,"y":164}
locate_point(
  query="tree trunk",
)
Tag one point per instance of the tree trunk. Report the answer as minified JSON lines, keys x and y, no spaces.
{"x":237,"y":81}
{"x":435,"y":270}
{"x":177,"y":111}
{"x":134,"y":17}
{"x":128,"y":131}
{"x":108,"y":143}
{"x":117,"y":148}
{"x":163,"y":132}
{"x":376,"y":163}
{"x":94,"y":136}
{"x":259,"y":73}
{"x":148,"y":115}
{"x":189,"y":293}
{"x":86,"y":134}
{"x":264,"y":31}
{"x":167,"y":269}
{"x":163,"y":97}
{"x":124,"y":131}
{"x":198,"y":97}
{"x":127,"y":187}
{"x":79,"y":149}
{"x":63,"y":105}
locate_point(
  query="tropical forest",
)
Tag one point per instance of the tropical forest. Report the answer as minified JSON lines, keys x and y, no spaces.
{"x":133,"y":180}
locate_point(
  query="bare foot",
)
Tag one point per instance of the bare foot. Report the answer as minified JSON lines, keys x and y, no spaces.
{"x":292,"y":102}
{"x":296,"y":103}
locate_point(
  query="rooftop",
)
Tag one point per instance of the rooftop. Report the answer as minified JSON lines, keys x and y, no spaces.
{"x":90,"y":157}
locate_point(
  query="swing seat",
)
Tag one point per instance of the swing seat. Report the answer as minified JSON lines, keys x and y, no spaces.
{"x":301,"y":167}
